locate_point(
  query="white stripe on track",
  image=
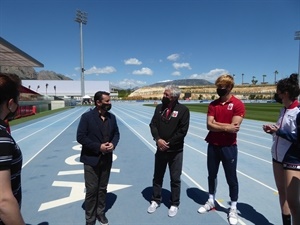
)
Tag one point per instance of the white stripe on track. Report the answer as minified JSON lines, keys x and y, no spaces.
{"x":50,"y":124}
{"x":50,"y":142}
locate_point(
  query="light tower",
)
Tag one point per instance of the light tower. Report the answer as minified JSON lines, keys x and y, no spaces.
{"x":81,"y":18}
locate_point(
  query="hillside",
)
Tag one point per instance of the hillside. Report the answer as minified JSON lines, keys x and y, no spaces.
{"x":206,"y":91}
{"x":28,"y":73}
{"x":182,"y":82}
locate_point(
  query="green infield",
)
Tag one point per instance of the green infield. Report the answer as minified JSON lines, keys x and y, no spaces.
{"x":257,"y":111}
{"x":38,"y":115}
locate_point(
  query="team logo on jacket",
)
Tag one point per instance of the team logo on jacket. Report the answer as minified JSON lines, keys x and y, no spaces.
{"x":230,"y":106}
{"x":175,"y":114}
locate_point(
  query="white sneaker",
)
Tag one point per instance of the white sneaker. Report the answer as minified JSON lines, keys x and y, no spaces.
{"x":233,"y":217}
{"x":152,"y":207}
{"x":206,"y":207}
{"x":173,"y":211}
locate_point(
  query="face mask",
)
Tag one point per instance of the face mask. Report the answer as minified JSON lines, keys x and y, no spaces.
{"x":11,"y":115}
{"x":221,"y":92}
{"x":165,"y":101}
{"x":106,"y":107}
{"x":277,"y":99}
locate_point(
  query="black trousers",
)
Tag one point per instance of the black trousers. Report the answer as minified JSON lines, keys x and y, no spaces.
{"x":174,"y":161}
{"x":228,"y":156}
{"x":96,"y":181}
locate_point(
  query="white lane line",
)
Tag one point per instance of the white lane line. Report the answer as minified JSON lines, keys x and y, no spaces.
{"x":37,"y":131}
{"x":50,"y":142}
{"x":43,"y":120}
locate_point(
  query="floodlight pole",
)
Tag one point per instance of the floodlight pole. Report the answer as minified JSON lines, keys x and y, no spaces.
{"x":81,"y":18}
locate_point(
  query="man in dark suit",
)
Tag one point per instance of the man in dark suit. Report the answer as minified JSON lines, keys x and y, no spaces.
{"x":98,"y":133}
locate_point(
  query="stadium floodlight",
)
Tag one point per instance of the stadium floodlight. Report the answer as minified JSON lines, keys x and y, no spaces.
{"x":81,"y":18}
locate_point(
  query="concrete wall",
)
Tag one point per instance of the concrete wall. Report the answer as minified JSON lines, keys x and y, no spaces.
{"x":57,"y":104}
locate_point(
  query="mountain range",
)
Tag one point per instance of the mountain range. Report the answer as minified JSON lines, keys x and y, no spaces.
{"x":28,"y":73}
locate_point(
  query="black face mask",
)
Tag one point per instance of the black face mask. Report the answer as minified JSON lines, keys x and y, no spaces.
{"x":165,"y":101}
{"x":106,"y":107}
{"x":221,"y":92}
{"x":277,"y":99}
{"x":11,"y":115}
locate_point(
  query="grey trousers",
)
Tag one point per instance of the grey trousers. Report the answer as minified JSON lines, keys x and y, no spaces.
{"x":96,"y":181}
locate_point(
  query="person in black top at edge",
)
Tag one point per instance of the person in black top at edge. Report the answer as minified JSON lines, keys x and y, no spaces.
{"x":10,"y":154}
{"x":169,"y":126}
{"x":98,"y":133}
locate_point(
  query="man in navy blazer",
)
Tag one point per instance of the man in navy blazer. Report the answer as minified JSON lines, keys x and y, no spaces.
{"x":98,"y":133}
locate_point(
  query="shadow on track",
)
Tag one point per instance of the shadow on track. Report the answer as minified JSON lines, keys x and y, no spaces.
{"x":110,"y":201}
{"x":246,"y":211}
{"x":165,"y":194}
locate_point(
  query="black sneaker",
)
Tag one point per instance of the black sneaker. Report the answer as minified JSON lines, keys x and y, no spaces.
{"x":102,"y":219}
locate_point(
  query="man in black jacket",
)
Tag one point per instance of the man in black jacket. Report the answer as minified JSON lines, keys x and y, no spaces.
{"x":98,"y":133}
{"x":169,"y":126}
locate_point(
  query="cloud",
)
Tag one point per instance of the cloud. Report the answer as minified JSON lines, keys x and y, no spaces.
{"x":176,"y":73}
{"x":178,"y":66}
{"x":129,"y":83}
{"x":104,"y":70}
{"x":143,"y":71}
{"x":210,"y":76}
{"x":132,"y":61}
{"x":162,"y":81}
{"x":173,"y":57}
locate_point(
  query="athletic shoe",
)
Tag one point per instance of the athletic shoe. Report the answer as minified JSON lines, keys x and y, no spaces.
{"x":102,"y":219}
{"x":152,"y":207}
{"x":173,"y":211}
{"x":233,"y":217}
{"x":206,"y":207}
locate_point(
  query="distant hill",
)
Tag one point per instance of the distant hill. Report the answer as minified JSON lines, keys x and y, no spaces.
{"x":28,"y":73}
{"x":182,"y":82}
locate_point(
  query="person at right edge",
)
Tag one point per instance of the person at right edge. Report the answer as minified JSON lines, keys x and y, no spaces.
{"x":98,"y":133}
{"x":224,"y":118}
{"x":285,"y":150}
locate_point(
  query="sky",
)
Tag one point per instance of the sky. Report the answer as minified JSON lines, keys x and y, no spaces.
{"x":135,"y":43}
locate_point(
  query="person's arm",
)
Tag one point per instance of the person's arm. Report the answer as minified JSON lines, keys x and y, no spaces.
{"x":153,"y":125}
{"x":9,"y":208}
{"x":290,"y":136}
{"x":182,"y":127}
{"x":82,"y":134}
{"x":232,"y":127}
{"x":116,"y":134}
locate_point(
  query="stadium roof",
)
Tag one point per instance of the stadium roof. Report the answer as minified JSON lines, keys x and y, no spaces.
{"x":10,"y":55}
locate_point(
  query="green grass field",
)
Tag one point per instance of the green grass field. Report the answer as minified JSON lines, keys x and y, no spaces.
{"x":256,"y":111}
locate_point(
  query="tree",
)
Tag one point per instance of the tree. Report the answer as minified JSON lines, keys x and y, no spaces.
{"x":253,"y":80}
{"x":46,"y":88}
{"x":55,"y":89}
{"x":37,"y":88}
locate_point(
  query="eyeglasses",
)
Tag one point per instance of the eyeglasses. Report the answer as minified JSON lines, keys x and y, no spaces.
{"x":164,"y":115}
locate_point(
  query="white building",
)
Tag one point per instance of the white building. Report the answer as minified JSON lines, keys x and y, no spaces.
{"x":67,"y":88}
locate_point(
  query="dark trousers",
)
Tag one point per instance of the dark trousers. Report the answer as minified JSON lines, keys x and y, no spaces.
{"x":96,"y":181}
{"x":174,"y":161}
{"x":228,"y":156}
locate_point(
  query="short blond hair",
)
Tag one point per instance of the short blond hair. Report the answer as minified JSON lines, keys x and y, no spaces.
{"x":225,"y":80}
